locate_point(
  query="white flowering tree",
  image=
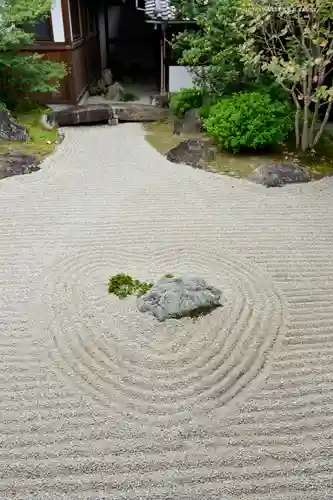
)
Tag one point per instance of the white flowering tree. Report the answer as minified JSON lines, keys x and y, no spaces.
{"x":293,"y":40}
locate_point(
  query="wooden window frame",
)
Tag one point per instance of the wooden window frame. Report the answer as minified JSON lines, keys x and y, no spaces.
{"x":92,"y":30}
{"x":90,"y":27}
{"x":79,"y":11}
{"x":44,"y":40}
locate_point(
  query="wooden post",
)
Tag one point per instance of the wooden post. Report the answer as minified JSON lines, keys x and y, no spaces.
{"x":107,"y":36}
{"x":163,"y":54}
{"x":162,"y":86}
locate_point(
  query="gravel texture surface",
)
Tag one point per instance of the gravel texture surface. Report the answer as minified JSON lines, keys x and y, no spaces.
{"x":99,"y":401}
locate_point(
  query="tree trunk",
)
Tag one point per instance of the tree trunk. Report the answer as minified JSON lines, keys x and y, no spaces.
{"x":305,"y":128}
{"x":323,"y":124}
{"x":297,"y":115}
{"x":313,"y":124}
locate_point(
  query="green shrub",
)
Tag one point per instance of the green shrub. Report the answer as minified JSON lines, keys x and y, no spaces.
{"x":22,"y":73}
{"x":267,"y":84}
{"x":249,"y":120}
{"x":127,"y":96}
{"x":185,"y":100}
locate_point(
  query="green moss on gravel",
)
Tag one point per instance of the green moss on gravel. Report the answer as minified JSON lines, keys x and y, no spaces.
{"x":123,"y":285}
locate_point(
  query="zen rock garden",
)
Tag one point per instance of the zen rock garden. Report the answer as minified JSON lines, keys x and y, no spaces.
{"x":169,"y":297}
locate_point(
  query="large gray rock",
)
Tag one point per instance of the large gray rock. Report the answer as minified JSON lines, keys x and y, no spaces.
{"x":193,"y":152}
{"x":129,"y":112}
{"x":99,"y":113}
{"x":10,"y":130}
{"x":178,"y":297}
{"x":17,"y":163}
{"x":279,"y":174}
{"x":87,"y":113}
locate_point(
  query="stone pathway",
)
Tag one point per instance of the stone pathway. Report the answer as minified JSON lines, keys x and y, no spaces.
{"x":99,"y":401}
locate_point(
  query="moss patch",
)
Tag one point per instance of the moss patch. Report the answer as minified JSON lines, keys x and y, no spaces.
{"x":320,"y":163}
{"x":159,"y":135}
{"x":40,"y":143}
{"x":123,"y":285}
{"x":127,"y":96}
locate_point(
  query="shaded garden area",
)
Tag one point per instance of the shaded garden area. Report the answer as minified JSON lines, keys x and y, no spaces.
{"x":263,"y":73}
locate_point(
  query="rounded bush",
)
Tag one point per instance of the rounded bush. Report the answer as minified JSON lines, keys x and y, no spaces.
{"x":249,"y":120}
{"x":185,"y":100}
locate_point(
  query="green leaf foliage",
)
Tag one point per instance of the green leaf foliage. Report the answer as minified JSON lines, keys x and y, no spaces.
{"x":20,"y":73}
{"x":213,"y":47}
{"x":186,"y":99}
{"x":249,"y":121}
{"x":293,"y":41}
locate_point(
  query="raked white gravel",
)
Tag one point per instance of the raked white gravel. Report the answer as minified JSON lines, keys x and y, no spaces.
{"x":99,"y":401}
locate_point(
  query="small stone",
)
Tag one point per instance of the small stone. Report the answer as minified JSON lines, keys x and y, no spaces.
{"x":47,"y":121}
{"x":107,"y":77}
{"x":115,"y":92}
{"x":201,"y":164}
{"x":179,"y":296}
{"x":61,"y":135}
{"x":113,"y":121}
{"x":160,"y":101}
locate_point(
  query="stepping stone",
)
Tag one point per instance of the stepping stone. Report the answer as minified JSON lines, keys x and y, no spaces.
{"x":88,"y":113}
{"x":99,"y":113}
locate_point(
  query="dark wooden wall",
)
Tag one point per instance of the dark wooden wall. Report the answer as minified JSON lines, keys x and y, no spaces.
{"x":81,"y":57}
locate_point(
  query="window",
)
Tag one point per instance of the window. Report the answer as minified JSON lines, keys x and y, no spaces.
{"x":75,"y":18}
{"x":91,"y":19}
{"x":42,"y":30}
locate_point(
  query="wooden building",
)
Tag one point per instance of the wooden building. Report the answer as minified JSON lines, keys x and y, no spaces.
{"x":128,"y":36}
{"x":70,"y":35}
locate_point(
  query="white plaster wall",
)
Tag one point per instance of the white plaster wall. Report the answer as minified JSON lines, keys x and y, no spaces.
{"x":180,"y":77}
{"x":57,"y":22}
